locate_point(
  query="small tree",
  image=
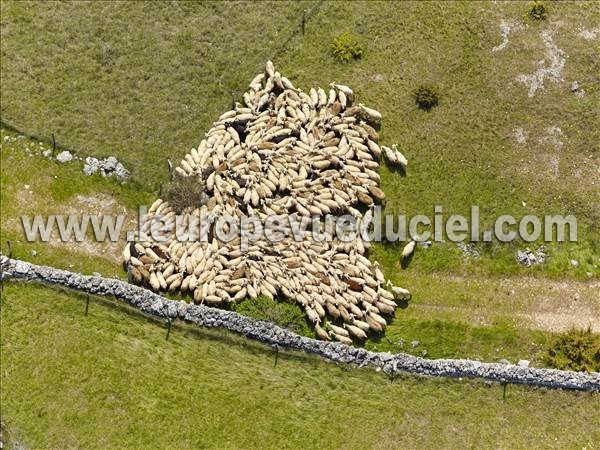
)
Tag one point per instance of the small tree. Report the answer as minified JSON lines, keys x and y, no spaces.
{"x":184,"y":192}
{"x":346,"y":47}
{"x":283,"y":313}
{"x":426,"y":96}
{"x":537,"y":11}
{"x":575,"y":350}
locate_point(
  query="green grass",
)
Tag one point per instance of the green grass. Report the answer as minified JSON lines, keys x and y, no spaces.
{"x":447,"y":317}
{"x":575,"y":350}
{"x":110,"y":380}
{"x":443,"y":338}
{"x":32,"y":184}
{"x":23,"y":163}
{"x":441,"y":313}
{"x":144,"y":84}
{"x":284,"y":313}
{"x":139,"y":83}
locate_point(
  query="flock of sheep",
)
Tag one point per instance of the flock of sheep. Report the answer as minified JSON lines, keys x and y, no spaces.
{"x":288,"y":153}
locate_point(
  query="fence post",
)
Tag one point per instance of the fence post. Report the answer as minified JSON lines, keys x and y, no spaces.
{"x":169,"y":323}
{"x":232,"y":99}
{"x":276,"y":349}
{"x":87,"y":304}
{"x":170,"y":164}
{"x":504,"y":383}
{"x":9,"y":249}
{"x":303,"y":21}
{"x":53,"y":145}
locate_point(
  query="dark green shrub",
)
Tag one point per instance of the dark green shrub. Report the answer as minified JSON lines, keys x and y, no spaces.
{"x":537,"y":11}
{"x":284,"y":314}
{"x":183,"y":192}
{"x":426,"y":96}
{"x":346,"y":47}
{"x":575,"y":350}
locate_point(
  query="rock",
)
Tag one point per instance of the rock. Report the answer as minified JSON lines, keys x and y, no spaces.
{"x":91,"y":165}
{"x":574,"y":86}
{"x":110,"y":164}
{"x":64,"y":157}
{"x":576,"y":89}
{"x":528,"y":257}
{"x":574,"y":262}
{"x":108,"y":167}
{"x":469,"y":249}
{"x":415,"y":343}
{"x":504,"y":361}
{"x":47,"y":153}
{"x":33,"y":253}
{"x":425,"y":244}
{"x":121,"y":172}
{"x":378,"y":78}
{"x":205,"y":316}
{"x":21,"y":267}
{"x":523,"y":257}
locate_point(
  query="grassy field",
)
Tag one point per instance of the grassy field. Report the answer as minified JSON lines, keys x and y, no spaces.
{"x":144,"y":82}
{"x":447,"y":319}
{"x":109,"y":380}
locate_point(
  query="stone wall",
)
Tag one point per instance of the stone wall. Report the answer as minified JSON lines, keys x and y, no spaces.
{"x":268,"y":333}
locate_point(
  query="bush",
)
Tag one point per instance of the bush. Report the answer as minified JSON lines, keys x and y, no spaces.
{"x":426,"y":96}
{"x":575,"y":350}
{"x":284,"y":314}
{"x":346,"y":47}
{"x":537,"y":11}
{"x":183,"y":192}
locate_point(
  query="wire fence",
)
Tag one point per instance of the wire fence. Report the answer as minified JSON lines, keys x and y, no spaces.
{"x":299,"y":26}
{"x":169,"y":312}
{"x":50,"y":139}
